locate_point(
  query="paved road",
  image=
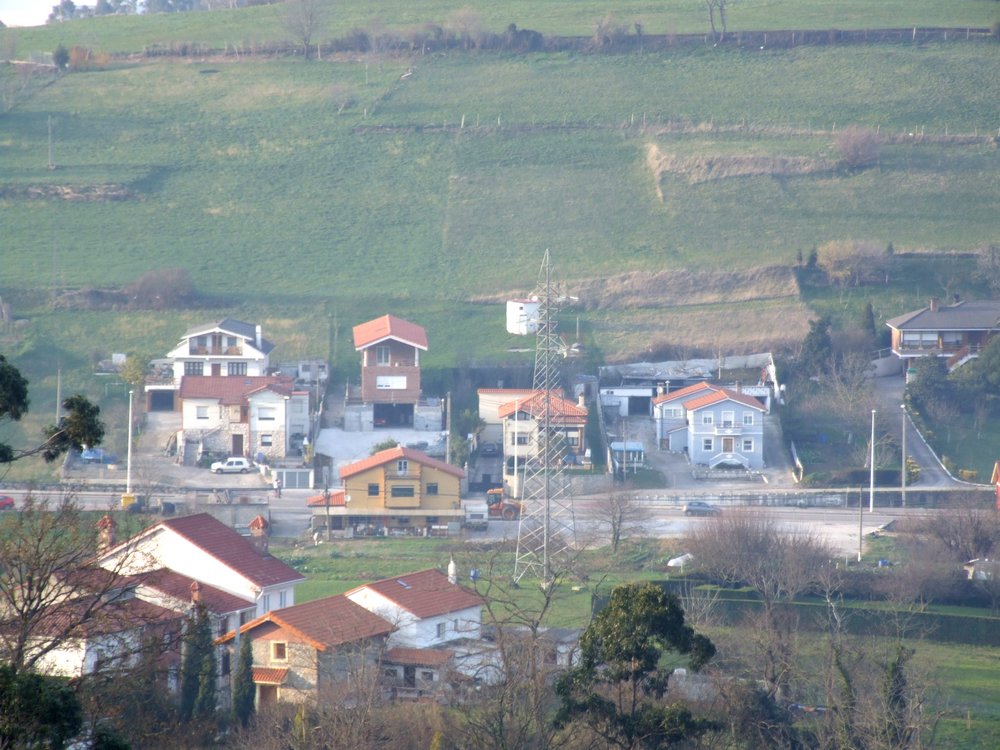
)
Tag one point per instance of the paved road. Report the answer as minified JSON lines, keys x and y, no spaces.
{"x":889,"y":420}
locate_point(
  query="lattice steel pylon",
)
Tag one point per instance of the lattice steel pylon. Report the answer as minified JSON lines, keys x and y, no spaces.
{"x":547,"y":530}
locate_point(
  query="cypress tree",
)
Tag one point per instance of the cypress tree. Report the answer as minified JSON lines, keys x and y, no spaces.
{"x":198,"y":667}
{"x":243,"y":687}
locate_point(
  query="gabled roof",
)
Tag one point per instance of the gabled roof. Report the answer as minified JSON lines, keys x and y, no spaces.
{"x":177,"y":586}
{"x":338,"y":499}
{"x":233,"y":390}
{"x":88,"y":616}
{"x":723,"y":394}
{"x":683,"y":393}
{"x":394,"y":454}
{"x":389,"y":327}
{"x":216,"y":539}
{"x":560,"y":409}
{"x":981,"y":315}
{"x":418,"y":657}
{"x":322,"y":623}
{"x":232,"y":326}
{"x":426,"y":593}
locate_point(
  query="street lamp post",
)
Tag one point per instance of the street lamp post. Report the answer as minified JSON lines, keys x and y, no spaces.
{"x":902,"y":475}
{"x":871,"y":477}
{"x":128,"y":498}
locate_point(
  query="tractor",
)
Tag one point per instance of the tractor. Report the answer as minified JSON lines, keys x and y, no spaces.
{"x":501,"y":507}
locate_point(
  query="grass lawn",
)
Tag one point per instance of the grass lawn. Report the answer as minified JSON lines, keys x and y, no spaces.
{"x":247,"y":27}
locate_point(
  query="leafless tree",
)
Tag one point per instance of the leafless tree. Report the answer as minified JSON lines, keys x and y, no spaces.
{"x":466,"y":24}
{"x":304,"y":19}
{"x":749,"y":549}
{"x":50,"y":585}
{"x":722,"y":7}
{"x":621,"y":513}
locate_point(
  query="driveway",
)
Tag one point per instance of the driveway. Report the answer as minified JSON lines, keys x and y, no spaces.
{"x":889,"y":420}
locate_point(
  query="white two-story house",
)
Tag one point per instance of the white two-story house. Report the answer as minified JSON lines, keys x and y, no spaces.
{"x":227,"y":348}
{"x":716,"y":426}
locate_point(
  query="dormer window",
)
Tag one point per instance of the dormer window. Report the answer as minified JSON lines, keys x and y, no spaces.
{"x":402,"y":467}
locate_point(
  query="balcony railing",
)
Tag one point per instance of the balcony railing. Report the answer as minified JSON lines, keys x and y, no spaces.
{"x":216,"y":351}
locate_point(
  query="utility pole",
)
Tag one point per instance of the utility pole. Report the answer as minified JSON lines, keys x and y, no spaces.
{"x":902,"y":474}
{"x":871,"y":476}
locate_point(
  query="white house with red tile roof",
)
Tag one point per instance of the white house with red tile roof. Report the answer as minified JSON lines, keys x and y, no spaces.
{"x":490,"y":401}
{"x":716,"y":426}
{"x":426,"y":609}
{"x":224,"y":348}
{"x":243,"y":416}
{"x":205,"y":550}
{"x":310,"y":651}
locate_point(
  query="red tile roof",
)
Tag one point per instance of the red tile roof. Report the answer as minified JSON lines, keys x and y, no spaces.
{"x":389,"y":327}
{"x":234,"y":389}
{"x":723,"y":394}
{"x":394,"y":454}
{"x":232,"y":550}
{"x":178,"y":587}
{"x":560,"y":409}
{"x":684,"y":392}
{"x":269,"y":675}
{"x":425,"y":593}
{"x":418,"y":657}
{"x":322,"y":623}
{"x":337,"y":500}
{"x":88,"y":616}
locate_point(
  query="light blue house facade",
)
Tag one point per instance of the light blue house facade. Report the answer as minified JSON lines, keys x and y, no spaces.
{"x":716,"y":426}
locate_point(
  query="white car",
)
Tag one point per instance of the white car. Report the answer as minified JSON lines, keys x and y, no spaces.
{"x":232,"y":465}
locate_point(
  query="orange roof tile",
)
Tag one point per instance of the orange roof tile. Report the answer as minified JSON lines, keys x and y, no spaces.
{"x":418,"y":657}
{"x":337,"y":500}
{"x":233,"y":389}
{"x":389,"y":327}
{"x":723,"y":394}
{"x":322,"y":623}
{"x":270,"y":675}
{"x":178,"y":587}
{"x":560,"y":409}
{"x":425,"y":593}
{"x":684,"y":392}
{"x":394,"y":454}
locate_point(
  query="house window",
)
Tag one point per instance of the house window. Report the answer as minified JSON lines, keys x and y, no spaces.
{"x":728,"y":418}
{"x":223,"y":626}
{"x":201,"y":412}
{"x":441,"y":629}
{"x":522,"y":440}
{"x":748,"y":418}
{"x":224,"y":665}
{"x":237,"y":368}
{"x":403,"y":491}
{"x":707,"y":418}
{"x":382,"y":355}
{"x":266,"y":601}
{"x":194,"y":368}
{"x":706,"y":444}
{"x":265,"y":413}
{"x":573,"y":441}
{"x":432,"y":488}
{"x":373,"y":489}
{"x":279,"y":651}
{"x":282,"y":599}
{"x":266,"y":440}
{"x":246,"y":616}
{"x":427,"y":676}
{"x":748,"y":445}
{"x":402,"y":467}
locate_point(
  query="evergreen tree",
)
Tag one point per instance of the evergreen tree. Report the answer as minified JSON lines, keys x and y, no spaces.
{"x":198,"y":667}
{"x":617,"y":687}
{"x":243,"y":687}
{"x":868,"y":321}
{"x":817,"y":347}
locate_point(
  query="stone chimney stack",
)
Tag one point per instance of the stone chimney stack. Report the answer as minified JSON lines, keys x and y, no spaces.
{"x":935,"y":304}
{"x":739,"y":386}
{"x":195,"y":593}
{"x":107,"y":533}
{"x":581,"y":400}
{"x":258,"y":534}
{"x":259,"y":338}
{"x":452,"y":572}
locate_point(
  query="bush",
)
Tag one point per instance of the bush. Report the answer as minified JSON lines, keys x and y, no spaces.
{"x":858,"y":147}
{"x":60,"y":57}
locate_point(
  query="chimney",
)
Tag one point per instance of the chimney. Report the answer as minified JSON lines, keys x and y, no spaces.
{"x":195,"y":593}
{"x":739,"y":386}
{"x":935,"y":304}
{"x":260,"y":338}
{"x":581,"y":400}
{"x":107,"y":536}
{"x":452,"y":572}
{"x":258,"y":534}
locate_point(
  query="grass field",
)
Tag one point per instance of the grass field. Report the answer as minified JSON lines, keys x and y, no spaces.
{"x":249,"y":26}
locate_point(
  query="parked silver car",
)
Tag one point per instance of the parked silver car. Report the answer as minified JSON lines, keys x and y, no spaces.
{"x":698,"y":508}
{"x":232,"y":465}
